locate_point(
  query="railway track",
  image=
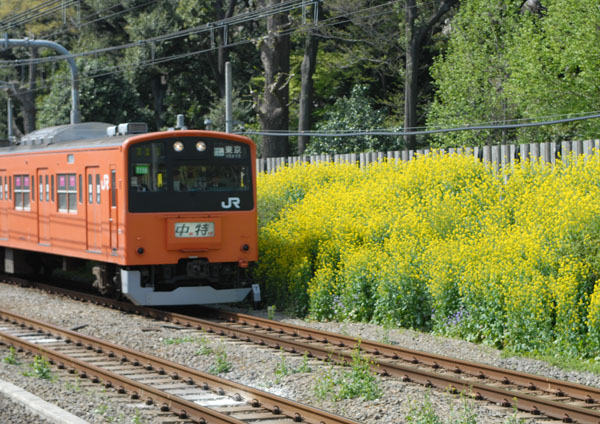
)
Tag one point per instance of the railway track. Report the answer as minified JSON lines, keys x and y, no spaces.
{"x":539,"y":396}
{"x":188,"y":393}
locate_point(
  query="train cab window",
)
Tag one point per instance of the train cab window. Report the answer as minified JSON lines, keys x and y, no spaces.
{"x":22,"y":190}
{"x":67,"y":192}
{"x":148,"y":167}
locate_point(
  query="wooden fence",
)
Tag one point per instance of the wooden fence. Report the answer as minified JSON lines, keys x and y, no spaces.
{"x":501,"y":155}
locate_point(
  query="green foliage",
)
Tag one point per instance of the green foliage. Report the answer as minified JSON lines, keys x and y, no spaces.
{"x":103,"y":98}
{"x":506,"y":63}
{"x":283,"y":368}
{"x":357,"y":381}
{"x":470,"y":76}
{"x":271,"y":311}
{"x":222,"y":364}
{"x":354,"y":113}
{"x":554,"y":67}
{"x":40,"y":368}
{"x":11,"y":358}
{"x":179,"y":340}
{"x":423,"y":413}
{"x":205,"y":349}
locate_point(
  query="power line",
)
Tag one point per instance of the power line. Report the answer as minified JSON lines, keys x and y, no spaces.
{"x":212,"y":27}
{"x":420,"y":132}
{"x":223,"y":24}
{"x":332,"y":21}
{"x":35,"y":12}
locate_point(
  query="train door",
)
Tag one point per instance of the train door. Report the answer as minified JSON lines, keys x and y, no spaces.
{"x":93,"y":222}
{"x":44,"y":206}
{"x":113,"y":221}
{"x":3,"y":205}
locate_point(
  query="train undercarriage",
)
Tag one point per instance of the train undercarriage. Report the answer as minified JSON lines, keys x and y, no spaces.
{"x":189,"y":282}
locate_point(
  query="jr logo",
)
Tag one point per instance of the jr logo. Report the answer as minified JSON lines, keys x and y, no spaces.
{"x":232,"y":201}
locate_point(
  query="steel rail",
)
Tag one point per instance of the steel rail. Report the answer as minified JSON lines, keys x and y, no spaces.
{"x":587,"y":394}
{"x":278,"y":405}
{"x":139,"y":390}
{"x":339,"y":348}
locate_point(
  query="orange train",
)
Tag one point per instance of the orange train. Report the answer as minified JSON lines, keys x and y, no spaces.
{"x":164,"y":218}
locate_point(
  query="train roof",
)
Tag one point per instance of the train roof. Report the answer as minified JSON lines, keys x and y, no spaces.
{"x":88,"y":134}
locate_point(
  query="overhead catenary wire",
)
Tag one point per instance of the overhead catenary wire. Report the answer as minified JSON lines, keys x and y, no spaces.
{"x":214,"y":26}
{"x":36,"y":12}
{"x":116,"y":69}
{"x":406,"y":132}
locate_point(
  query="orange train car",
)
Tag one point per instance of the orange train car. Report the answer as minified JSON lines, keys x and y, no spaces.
{"x":164,"y":218}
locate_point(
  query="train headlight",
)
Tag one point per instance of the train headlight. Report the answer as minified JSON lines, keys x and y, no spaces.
{"x":201,"y":146}
{"x":178,"y":146}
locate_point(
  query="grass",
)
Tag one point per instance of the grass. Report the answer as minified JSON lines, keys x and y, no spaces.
{"x":222,"y":363}
{"x":356,"y":380}
{"x":40,"y":368}
{"x":11,"y":358}
{"x":180,"y":340}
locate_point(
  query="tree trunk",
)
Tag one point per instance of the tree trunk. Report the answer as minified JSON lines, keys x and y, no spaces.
{"x":307,"y":70}
{"x":25,"y":95}
{"x":217,"y":62}
{"x":416,"y":37}
{"x":273,"y":111}
{"x":159,"y":91}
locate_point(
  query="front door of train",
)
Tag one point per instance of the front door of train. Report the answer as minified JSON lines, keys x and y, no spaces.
{"x":3,"y":205}
{"x":93,"y":222}
{"x":44,"y":206}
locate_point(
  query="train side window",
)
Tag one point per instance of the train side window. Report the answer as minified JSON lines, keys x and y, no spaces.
{"x":10,"y":188}
{"x":90,"y":189}
{"x":18,"y":193}
{"x":47,"y":190}
{"x":98,"y":188}
{"x":80,"y":188}
{"x":32,"y":188}
{"x":113,"y":188}
{"x":67,"y":192}
{"x":1,"y":189}
{"x":41,"y":185}
{"x":22,"y":190}
{"x":52,"y":187}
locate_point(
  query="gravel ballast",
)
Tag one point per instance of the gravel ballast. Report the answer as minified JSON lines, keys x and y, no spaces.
{"x":249,"y":364}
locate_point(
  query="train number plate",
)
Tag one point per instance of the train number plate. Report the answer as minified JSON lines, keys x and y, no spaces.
{"x":194,"y":229}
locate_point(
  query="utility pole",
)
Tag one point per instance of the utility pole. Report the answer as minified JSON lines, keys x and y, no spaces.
{"x":228,"y":101}
{"x":9,"y":117}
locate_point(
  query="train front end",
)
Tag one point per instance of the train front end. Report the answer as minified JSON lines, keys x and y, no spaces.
{"x":190,"y":220}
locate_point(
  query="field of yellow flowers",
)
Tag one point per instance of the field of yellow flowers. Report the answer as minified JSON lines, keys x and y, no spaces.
{"x":443,"y":243}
